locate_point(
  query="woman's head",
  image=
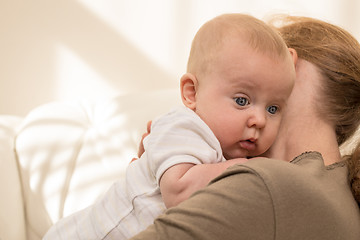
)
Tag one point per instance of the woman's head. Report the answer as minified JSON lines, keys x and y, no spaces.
{"x":337,"y":56}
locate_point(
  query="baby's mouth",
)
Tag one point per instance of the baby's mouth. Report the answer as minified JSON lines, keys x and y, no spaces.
{"x":249,"y":144}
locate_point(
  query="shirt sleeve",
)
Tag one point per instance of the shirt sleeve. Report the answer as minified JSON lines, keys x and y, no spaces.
{"x":237,"y":205}
{"x":180,"y":137}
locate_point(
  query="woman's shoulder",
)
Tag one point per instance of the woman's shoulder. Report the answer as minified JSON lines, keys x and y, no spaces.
{"x":305,"y":192}
{"x":306,"y":172}
{"x":306,"y":164}
{"x":309,"y":163}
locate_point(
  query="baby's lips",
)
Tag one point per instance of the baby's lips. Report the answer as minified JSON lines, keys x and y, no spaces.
{"x":248,"y":145}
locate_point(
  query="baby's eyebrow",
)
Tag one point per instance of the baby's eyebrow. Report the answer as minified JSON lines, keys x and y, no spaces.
{"x":243,"y":83}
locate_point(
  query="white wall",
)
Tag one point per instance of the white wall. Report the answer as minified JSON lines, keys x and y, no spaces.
{"x":68,"y":49}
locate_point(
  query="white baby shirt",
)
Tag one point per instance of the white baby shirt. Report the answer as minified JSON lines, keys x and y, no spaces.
{"x":132,"y":204}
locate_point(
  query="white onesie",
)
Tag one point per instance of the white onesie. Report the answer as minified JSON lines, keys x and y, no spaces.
{"x":132,"y":204}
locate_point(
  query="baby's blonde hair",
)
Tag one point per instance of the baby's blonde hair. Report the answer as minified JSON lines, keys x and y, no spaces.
{"x":211,"y":36}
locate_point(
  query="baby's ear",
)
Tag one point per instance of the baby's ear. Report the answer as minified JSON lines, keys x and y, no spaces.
{"x":188,"y":86}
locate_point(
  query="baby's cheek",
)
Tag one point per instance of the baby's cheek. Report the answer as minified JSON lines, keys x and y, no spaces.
{"x":270,"y":138}
{"x":273,"y":137}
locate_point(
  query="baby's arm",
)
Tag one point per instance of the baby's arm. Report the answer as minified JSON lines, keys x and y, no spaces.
{"x":181,"y":180}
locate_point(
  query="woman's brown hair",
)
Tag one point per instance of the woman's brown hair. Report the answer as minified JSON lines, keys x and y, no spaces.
{"x":336,"y":53}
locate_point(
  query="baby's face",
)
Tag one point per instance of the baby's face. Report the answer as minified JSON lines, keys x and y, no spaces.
{"x":242,"y":98}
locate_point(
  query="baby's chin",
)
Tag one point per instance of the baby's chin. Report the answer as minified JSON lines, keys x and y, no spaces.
{"x":245,"y":154}
{"x":236,"y":154}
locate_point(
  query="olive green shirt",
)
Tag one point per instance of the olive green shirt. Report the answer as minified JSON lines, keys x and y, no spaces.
{"x":267,"y":199}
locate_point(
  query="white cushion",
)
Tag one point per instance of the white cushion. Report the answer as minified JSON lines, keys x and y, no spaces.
{"x":71,"y":153}
{"x":12,"y":218}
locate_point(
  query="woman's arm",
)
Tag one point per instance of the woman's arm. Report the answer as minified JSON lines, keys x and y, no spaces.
{"x":182,"y":180}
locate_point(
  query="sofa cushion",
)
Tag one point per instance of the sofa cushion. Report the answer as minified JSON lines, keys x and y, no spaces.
{"x":71,"y":152}
{"x":12,"y":220}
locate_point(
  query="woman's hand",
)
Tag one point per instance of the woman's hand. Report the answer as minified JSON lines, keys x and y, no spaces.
{"x":141,"y":149}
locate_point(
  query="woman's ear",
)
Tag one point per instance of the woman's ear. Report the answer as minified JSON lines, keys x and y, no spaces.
{"x":294,"y":55}
{"x":188,"y":87}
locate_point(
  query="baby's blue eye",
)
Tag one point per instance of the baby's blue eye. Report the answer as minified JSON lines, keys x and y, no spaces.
{"x":241,"y":101}
{"x":272,"y":109}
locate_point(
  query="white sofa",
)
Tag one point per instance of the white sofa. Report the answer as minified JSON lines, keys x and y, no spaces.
{"x":63,"y":155}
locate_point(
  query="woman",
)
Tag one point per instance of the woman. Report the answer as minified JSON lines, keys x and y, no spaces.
{"x":310,"y":197}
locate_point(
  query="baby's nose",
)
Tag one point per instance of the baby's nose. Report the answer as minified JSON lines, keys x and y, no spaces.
{"x":257,"y":119}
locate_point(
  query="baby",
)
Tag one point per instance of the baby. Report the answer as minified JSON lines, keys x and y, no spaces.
{"x":239,"y":76}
